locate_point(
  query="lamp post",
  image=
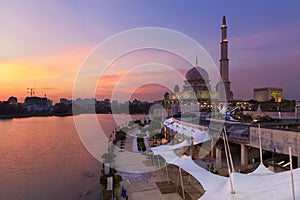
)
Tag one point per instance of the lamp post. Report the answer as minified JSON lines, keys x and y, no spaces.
{"x":111,"y":170}
{"x":192,"y":147}
{"x":113,"y":187}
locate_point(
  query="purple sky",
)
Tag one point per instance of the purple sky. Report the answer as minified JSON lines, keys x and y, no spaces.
{"x":49,"y":40}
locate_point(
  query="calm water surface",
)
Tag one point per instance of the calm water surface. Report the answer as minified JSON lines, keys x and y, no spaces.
{"x":43,"y":158}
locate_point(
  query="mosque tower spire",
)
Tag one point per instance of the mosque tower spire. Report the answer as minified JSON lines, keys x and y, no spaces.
{"x":224,"y":62}
{"x":224,"y":21}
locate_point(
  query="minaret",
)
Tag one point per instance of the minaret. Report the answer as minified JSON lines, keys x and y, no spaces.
{"x":224,"y":62}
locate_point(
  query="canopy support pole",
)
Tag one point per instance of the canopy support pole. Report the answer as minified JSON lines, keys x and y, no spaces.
{"x":181,"y":182}
{"x":228,"y":167}
{"x":212,"y":147}
{"x":158,"y":161}
{"x":292,"y":176}
{"x":229,"y":152}
{"x":260,"y":148}
{"x":167,"y":172}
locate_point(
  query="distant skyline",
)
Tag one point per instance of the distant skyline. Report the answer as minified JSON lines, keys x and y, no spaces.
{"x":45,"y":42}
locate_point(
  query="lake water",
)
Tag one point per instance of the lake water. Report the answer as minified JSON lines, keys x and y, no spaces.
{"x":44,"y":158}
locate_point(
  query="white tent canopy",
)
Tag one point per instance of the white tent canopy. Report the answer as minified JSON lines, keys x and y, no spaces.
{"x":168,"y":121}
{"x":169,"y":156}
{"x":261,"y":169}
{"x":260,"y":184}
{"x":208,"y":180}
{"x":200,"y":137}
{"x":249,"y":186}
{"x":165,"y":148}
{"x":188,"y":131}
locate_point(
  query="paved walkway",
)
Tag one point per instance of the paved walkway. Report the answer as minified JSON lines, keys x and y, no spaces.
{"x":141,"y":177}
{"x":147,"y":185}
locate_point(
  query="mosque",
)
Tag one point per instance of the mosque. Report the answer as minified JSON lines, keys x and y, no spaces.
{"x":197,"y":92}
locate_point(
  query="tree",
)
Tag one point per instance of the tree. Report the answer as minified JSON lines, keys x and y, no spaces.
{"x":108,"y":157}
{"x":131,"y":123}
{"x":155,"y":124}
{"x":246,"y":118}
{"x":121,"y":135}
{"x":176,"y":89}
{"x":117,"y":179}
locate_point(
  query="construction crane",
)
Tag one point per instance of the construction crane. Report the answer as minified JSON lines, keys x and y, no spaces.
{"x":32,"y":91}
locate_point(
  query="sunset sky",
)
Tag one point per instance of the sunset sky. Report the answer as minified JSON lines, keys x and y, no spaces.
{"x":44,"y":43}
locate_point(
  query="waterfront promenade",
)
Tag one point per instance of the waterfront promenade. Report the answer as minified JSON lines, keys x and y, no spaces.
{"x":156,"y":186}
{"x":143,"y":179}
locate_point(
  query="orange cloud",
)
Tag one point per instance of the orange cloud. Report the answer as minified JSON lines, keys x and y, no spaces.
{"x":25,"y":70}
{"x":56,"y":71}
{"x":149,"y":92}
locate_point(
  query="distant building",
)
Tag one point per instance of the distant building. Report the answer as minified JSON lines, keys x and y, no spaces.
{"x":114,"y":103}
{"x":37,"y":104}
{"x":107,"y":101}
{"x":268,"y":93}
{"x":12,"y":100}
{"x":87,"y":102}
{"x":224,"y":67}
{"x":196,"y":84}
{"x":297,"y":110}
{"x":197,"y":94}
{"x":65,"y":101}
{"x":38,"y":101}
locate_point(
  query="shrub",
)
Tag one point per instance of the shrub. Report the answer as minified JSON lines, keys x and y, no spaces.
{"x":108,"y":158}
{"x":140,"y":140}
{"x":121,"y":135}
{"x":141,"y":144}
{"x":116,"y":182}
{"x":131,"y":123}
